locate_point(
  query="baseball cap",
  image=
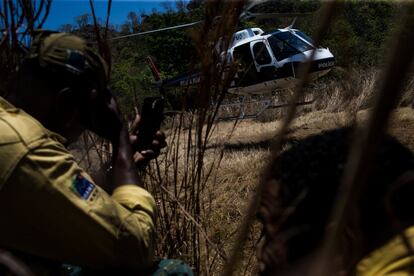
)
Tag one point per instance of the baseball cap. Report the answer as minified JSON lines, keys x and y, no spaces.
{"x":70,"y":53}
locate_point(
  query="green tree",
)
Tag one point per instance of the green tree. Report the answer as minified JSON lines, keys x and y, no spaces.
{"x":358,"y":35}
{"x":173,"y":50}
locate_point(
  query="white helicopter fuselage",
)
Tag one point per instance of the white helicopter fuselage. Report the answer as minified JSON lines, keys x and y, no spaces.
{"x":269,"y":61}
{"x":266,"y":62}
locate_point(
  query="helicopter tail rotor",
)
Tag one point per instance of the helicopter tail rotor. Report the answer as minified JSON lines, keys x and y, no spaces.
{"x":154,"y":69}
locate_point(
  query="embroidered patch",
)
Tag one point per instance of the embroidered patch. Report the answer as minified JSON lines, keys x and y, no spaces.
{"x":82,"y":186}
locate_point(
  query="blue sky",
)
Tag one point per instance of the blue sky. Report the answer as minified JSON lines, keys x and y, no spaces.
{"x":65,"y":11}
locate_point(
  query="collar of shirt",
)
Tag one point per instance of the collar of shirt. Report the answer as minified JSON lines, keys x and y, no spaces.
{"x":393,"y":257}
{"x":8,"y":107}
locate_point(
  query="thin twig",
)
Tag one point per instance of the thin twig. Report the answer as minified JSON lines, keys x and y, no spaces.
{"x":187,"y":215}
{"x":108,"y":13}
{"x":15,"y":266}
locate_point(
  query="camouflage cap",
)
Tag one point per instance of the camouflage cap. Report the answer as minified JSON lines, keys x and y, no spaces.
{"x":68,"y":52}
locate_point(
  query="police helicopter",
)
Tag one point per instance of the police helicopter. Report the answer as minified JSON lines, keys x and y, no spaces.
{"x":265,"y":62}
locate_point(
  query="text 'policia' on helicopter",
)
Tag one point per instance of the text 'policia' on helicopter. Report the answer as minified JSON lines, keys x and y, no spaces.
{"x":266,"y":62}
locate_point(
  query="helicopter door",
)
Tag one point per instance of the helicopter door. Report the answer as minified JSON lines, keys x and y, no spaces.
{"x":246,"y":69}
{"x":264,"y":62}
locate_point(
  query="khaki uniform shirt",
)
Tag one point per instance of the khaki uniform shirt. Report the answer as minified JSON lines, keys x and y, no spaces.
{"x":394,"y":258}
{"x":50,"y":208}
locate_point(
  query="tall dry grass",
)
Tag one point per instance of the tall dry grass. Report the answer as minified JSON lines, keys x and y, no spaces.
{"x":354,"y":91}
{"x":203,"y":181}
{"x":181,"y":178}
{"x":344,"y":90}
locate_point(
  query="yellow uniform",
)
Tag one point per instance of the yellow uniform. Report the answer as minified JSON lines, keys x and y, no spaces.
{"x":50,"y":208}
{"x":392,"y":259}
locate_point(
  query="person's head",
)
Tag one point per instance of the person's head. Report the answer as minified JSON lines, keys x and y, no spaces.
{"x":58,"y":81}
{"x":299,"y":196}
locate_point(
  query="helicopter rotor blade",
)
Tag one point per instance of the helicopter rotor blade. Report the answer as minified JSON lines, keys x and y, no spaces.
{"x":157,"y":30}
{"x":279,"y":15}
{"x":253,"y":3}
{"x":246,"y":14}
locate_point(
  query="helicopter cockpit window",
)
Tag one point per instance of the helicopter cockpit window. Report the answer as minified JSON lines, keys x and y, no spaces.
{"x":285,"y":44}
{"x":305,"y":37}
{"x":261,"y":54}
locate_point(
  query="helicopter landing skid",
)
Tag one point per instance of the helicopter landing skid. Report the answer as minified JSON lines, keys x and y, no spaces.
{"x":242,"y":109}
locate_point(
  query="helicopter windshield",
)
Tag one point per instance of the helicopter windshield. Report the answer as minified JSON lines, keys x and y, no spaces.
{"x":305,"y":37}
{"x":286,"y":44}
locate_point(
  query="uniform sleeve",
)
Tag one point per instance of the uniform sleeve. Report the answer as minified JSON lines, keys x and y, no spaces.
{"x":392,"y":259}
{"x":51,"y":208}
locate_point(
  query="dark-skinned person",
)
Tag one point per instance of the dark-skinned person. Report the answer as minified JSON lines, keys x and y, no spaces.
{"x":52,"y":211}
{"x":299,"y":197}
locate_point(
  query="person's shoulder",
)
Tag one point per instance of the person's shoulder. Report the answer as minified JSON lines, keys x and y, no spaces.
{"x":19,"y":134}
{"x":19,"y":127}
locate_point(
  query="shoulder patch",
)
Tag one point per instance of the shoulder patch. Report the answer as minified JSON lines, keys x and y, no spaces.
{"x":82,"y":187}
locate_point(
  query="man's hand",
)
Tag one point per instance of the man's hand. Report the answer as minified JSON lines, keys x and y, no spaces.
{"x":142,"y":158}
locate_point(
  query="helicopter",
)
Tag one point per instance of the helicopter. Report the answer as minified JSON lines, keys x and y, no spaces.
{"x":266,"y":61}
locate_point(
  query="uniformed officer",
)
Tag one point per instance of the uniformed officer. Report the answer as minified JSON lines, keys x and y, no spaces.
{"x":50,"y":208}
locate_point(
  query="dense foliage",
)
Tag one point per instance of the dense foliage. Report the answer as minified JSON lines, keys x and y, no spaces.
{"x":356,"y":37}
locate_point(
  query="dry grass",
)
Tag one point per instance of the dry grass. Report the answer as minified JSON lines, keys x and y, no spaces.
{"x":353,"y":90}
{"x":246,"y":155}
{"x":202,"y":185}
{"x":204,"y":180}
{"x":244,"y":146}
{"x":245,"y":149}
{"x":236,"y":154}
